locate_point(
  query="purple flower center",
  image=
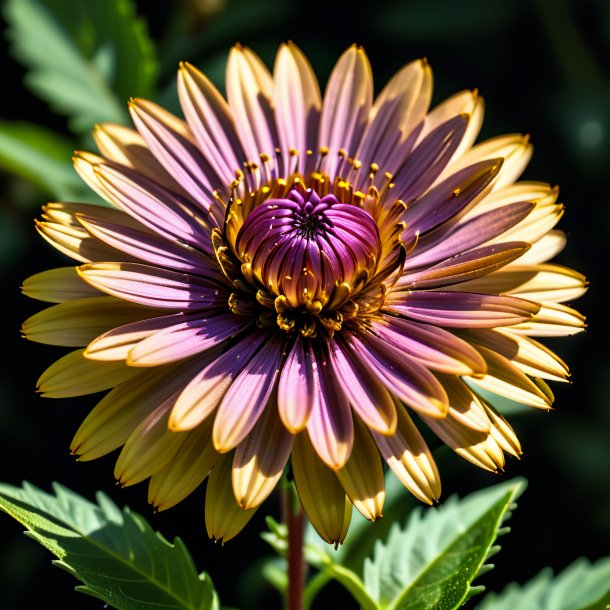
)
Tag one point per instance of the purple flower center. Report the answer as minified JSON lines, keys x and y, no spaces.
{"x":304,"y":248}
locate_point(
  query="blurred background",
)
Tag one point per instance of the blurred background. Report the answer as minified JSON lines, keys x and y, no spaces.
{"x":543,"y":67}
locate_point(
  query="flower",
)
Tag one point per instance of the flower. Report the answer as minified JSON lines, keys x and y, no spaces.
{"x":289,"y":277}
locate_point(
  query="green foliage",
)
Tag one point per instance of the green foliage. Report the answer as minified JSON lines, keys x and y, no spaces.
{"x":115,"y":553}
{"x":581,"y":586}
{"x":429,"y":564}
{"x":85,"y":59}
{"x":41,"y":156}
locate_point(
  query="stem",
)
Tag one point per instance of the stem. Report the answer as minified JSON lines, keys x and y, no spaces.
{"x":294,"y":519}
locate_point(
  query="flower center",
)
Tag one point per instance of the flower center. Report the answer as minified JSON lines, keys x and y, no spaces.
{"x":308,"y":251}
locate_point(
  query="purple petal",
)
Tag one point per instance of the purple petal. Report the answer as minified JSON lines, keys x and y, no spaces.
{"x":248,"y":395}
{"x":296,"y":390}
{"x":464,"y":309}
{"x":367,"y":395}
{"x":433,"y":347}
{"x":186,"y":339}
{"x":330,"y":426}
{"x":406,"y":378}
{"x":153,"y":286}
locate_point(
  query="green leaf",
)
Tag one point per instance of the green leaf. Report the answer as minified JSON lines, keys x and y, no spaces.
{"x":42,"y":157}
{"x":581,"y":586}
{"x":85,"y":59}
{"x":431,"y":563}
{"x":115,"y":553}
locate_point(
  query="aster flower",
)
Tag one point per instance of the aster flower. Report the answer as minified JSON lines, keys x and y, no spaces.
{"x":285,"y":277}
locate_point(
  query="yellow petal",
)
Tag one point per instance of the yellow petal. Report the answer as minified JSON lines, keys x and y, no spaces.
{"x":260,"y":459}
{"x":185,"y":471}
{"x":224,"y":518}
{"x":75,"y":375}
{"x":362,"y":476}
{"x":76,"y":323}
{"x":320,"y":492}
{"x":149,"y":447}
{"x":58,"y":286}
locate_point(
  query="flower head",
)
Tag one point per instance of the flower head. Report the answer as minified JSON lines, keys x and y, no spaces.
{"x":283,"y":277}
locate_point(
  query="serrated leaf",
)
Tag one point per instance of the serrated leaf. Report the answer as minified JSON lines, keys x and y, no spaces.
{"x":41,"y":156}
{"x":430,"y":564}
{"x":115,"y":553}
{"x":581,"y":586}
{"x":85,"y":59}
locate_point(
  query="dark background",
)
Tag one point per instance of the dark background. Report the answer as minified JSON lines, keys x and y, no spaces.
{"x":543,"y":68}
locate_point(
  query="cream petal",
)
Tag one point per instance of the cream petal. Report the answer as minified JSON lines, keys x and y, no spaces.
{"x":250,"y":94}
{"x":297,"y":101}
{"x":465,"y":406}
{"x":347,"y":103}
{"x":553,"y":320}
{"x":409,"y":458}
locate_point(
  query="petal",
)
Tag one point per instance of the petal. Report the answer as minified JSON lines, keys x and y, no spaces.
{"x":404,"y":377}
{"x":170,"y":140}
{"x":260,"y":459}
{"x":465,"y":407}
{"x":464,"y":267}
{"x":505,"y":379}
{"x":125,"y":146}
{"x":367,"y":395}
{"x":58,"y":286}
{"x":163,"y":211}
{"x":224,"y":518}
{"x":427,"y":160}
{"x":152,"y":286}
{"x":528,"y":355}
{"x":320,"y":492}
{"x":188,"y":468}
{"x":76,"y":323}
{"x":297,"y":101}
{"x":296,"y":389}
{"x":74,"y":375}
{"x":330,"y":426}
{"x":249,"y":92}
{"x":247,"y":396}
{"x":552,"y":320}
{"x":397,"y":111}
{"x":347,"y":103}
{"x":502,"y":433}
{"x":145,"y":246}
{"x":185,"y":339}
{"x":476,"y":447}
{"x":546,"y":248}
{"x":407,"y":454}
{"x":149,"y":447}
{"x":362,"y":476}
{"x":478,"y":230}
{"x":205,"y":391}
{"x":464,"y":309}
{"x":116,"y":416}
{"x":209,"y":118}
{"x":433,"y":347}
{"x":449,"y":200}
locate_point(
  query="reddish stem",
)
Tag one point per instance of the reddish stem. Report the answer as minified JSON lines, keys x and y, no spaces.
{"x":294,"y":518}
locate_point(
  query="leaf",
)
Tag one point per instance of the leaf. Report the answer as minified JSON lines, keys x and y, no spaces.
{"x":40,"y":156}
{"x":85,"y":59}
{"x":581,"y":586}
{"x":431,"y":563}
{"x":114,"y":553}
